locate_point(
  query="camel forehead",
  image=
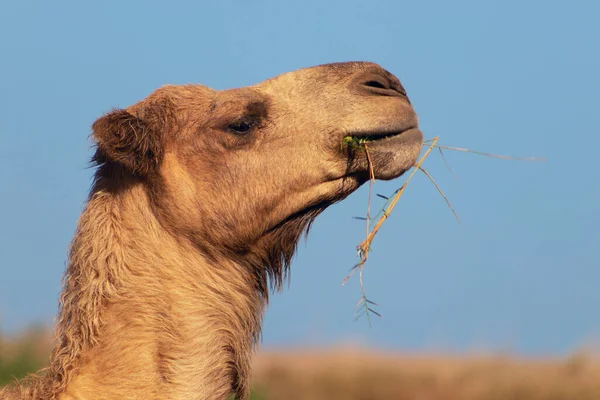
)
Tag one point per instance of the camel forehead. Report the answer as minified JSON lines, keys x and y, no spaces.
{"x":332,"y":71}
{"x":290,"y":82}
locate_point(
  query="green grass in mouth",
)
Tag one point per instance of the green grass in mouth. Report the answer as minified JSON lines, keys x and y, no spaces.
{"x":360,"y":142}
{"x":353,"y":141}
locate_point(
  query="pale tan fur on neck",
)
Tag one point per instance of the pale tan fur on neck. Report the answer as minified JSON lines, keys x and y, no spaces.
{"x":184,"y":318}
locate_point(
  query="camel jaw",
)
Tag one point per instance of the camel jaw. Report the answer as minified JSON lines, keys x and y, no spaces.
{"x":391,"y":153}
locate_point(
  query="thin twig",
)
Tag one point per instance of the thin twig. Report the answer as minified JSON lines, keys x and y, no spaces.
{"x":352,"y":271}
{"x":441,"y":192}
{"x":536,"y":159}
{"x":365,"y":255}
{"x":371,"y":181}
{"x":446,"y":163}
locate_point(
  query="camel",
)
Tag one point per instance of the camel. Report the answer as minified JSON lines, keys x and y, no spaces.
{"x":198,"y":201}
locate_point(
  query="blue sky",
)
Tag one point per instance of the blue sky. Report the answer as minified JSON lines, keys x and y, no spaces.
{"x":520,"y":273}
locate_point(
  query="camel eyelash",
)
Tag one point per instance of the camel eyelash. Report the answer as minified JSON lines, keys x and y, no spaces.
{"x":242,"y":126}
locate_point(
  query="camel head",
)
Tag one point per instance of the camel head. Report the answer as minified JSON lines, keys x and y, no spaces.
{"x":199,"y":200}
{"x":241,"y":173}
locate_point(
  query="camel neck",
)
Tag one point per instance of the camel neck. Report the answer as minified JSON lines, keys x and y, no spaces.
{"x":146,"y":313}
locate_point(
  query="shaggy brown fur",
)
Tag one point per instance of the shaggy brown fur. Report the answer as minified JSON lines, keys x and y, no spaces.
{"x":199,"y":199}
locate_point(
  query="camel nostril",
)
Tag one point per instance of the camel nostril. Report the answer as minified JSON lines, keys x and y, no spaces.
{"x":376,"y":84}
{"x":383,"y":86}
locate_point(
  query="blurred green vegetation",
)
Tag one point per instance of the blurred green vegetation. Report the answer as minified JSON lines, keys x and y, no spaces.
{"x":24,"y":354}
{"x":18,"y":367}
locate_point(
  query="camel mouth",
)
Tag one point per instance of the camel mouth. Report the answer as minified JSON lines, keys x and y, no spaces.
{"x":360,"y":139}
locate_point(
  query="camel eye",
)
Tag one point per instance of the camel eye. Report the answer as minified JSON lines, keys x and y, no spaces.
{"x":240,"y":126}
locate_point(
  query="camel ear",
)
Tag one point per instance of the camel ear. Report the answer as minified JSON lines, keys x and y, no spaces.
{"x":128,"y":140}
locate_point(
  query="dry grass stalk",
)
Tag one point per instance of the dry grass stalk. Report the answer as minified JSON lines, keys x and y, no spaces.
{"x":481,"y":153}
{"x":364,"y":305}
{"x":440,"y":191}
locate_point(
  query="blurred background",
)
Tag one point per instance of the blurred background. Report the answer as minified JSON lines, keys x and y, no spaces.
{"x":502,"y":305}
